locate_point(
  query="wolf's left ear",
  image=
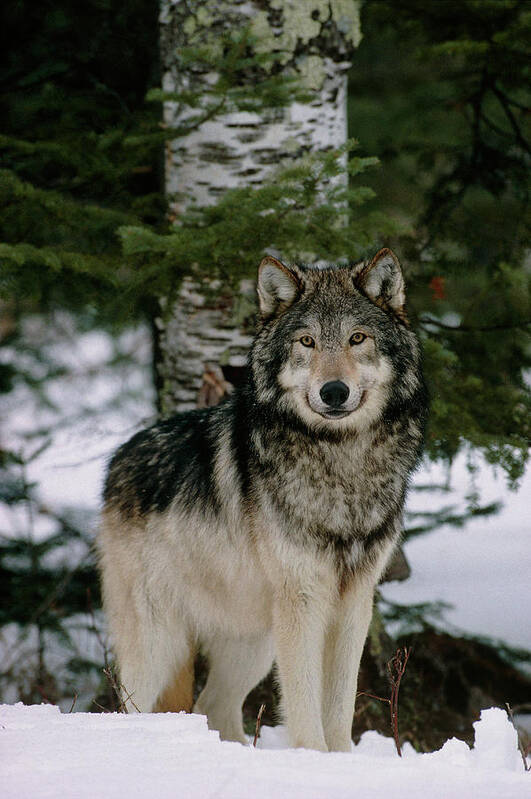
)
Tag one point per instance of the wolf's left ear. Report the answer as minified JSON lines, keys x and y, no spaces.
{"x":278,"y":286}
{"x":381,"y":279}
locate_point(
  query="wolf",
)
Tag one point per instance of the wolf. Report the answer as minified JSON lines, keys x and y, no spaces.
{"x":257,"y":530}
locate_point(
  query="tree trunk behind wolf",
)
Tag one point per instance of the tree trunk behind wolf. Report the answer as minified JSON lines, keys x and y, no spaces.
{"x":203,"y":341}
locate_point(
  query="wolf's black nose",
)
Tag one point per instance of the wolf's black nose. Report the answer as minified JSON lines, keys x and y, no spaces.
{"x":334,"y":393}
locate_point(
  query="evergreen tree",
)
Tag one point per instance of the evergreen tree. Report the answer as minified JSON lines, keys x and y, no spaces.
{"x":72,"y":87}
{"x":440,"y":93}
{"x":45,"y":584}
{"x":71,"y":94}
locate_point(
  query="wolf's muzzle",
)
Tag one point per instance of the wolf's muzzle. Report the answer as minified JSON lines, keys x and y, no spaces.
{"x":334,"y":393}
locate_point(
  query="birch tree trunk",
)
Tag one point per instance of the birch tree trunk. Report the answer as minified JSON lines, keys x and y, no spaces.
{"x":314,"y":41}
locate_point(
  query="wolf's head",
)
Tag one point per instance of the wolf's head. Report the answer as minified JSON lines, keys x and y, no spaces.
{"x":334,"y":348}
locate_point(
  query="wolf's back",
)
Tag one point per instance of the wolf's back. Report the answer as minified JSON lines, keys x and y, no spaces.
{"x":173,"y":458}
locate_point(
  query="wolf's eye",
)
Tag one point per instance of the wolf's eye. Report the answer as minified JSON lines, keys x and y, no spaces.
{"x":307,"y":341}
{"x":357,"y":338}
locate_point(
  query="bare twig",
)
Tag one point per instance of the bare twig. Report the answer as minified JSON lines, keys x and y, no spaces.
{"x":373,"y":696}
{"x":524,"y":751}
{"x":258,"y":722}
{"x":128,"y":698}
{"x":115,"y":687}
{"x":73,"y":703}
{"x":396,"y":668}
{"x":40,"y":690}
{"x":103,"y":709}
{"x":107,"y":669}
{"x":121,"y":692}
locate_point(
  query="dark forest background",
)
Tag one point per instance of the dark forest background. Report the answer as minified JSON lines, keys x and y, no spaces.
{"x":439,"y":94}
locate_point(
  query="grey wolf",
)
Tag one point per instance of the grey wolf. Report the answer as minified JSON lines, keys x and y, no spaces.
{"x":258,"y":529}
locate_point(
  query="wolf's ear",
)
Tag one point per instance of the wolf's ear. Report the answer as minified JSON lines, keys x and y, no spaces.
{"x":278,"y":286}
{"x":382,"y":281}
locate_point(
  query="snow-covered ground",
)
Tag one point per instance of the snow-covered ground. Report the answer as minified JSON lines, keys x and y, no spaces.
{"x":46,"y":754}
{"x":102,"y":394}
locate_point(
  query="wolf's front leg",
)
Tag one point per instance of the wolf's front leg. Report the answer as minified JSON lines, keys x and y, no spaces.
{"x":300,"y":618}
{"x":343,"y":648}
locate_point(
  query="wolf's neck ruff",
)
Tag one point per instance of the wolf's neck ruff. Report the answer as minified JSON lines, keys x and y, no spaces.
{"x":352,"y":483}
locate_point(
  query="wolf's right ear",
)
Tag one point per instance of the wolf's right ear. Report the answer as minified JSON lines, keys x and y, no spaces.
{"x":382,"y":281}
{"x":278,"y":286}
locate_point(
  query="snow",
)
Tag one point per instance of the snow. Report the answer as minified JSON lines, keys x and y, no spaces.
{"x":45,"y":754}
{"x":481,"y":570}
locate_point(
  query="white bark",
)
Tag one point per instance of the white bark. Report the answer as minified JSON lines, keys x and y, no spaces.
{"x":198,"y":336}
{"x":314,"y":40}
{"x":242,"y":148}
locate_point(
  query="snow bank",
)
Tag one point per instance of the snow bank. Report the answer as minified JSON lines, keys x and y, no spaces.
{"x":44,"y":753}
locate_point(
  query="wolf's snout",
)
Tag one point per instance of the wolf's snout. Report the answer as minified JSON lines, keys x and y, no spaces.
{"x":334,"y":393}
